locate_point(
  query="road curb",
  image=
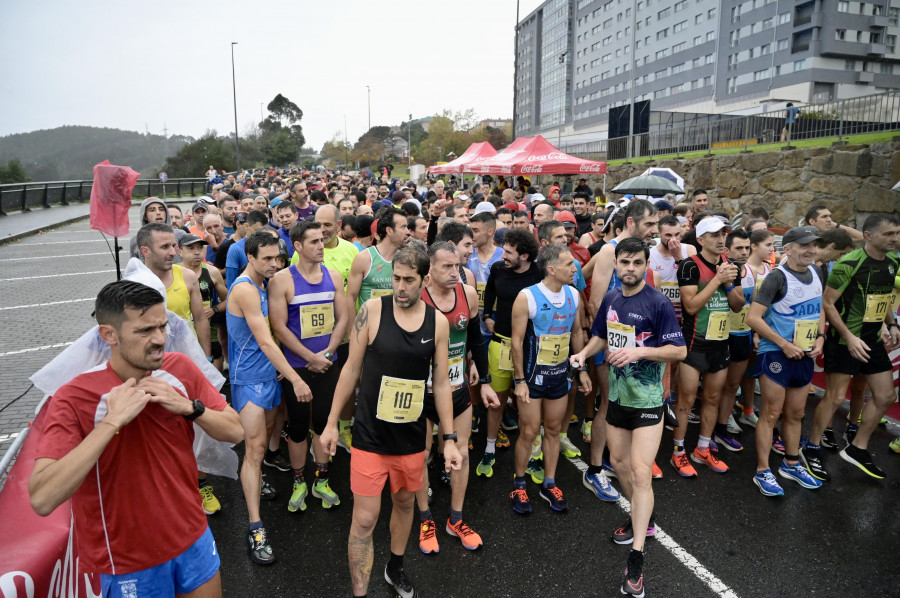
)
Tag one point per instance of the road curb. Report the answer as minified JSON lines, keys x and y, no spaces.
{"x":41,"y":229}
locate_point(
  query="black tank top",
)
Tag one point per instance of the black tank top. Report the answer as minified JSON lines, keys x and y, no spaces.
{"x":389,"y":418}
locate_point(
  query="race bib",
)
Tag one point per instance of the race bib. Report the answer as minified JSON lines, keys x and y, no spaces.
{"x":505,"y":363}
{"x":717,"y":326}
{"x":456,"y":372}
{"x":895,"y":301}
{"x":400,"y":401}
{"x":382,"y":292}
{"x":553,"y":349}
{"x":805,"y":333}
{"x":739,"y":320}
{"x":619,"y":336}
{"x":316,"y":320}
{"x":876,"y":307}
{"x":479,"y":286}
{"x":671,"y":290}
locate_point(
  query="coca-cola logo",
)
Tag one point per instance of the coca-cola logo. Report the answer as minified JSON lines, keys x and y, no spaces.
{"x":589,"y":168}
{"x":537,"y":168}
{"x":550,"y":156}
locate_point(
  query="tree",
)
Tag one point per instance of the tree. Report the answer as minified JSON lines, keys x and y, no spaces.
{"x":443,"y":138}
{"x":284,"y":111}
{"x":193,"y":159}
{"x":281,"y":136}
{"x":13,"y":172}
{"x":335,"y":150}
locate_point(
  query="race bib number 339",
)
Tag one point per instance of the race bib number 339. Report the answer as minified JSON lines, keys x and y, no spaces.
{"x":400,"y":401}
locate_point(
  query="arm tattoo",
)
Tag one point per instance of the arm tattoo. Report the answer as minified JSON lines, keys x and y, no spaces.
{"x":361,"y":554}
{"x":362,"y":318}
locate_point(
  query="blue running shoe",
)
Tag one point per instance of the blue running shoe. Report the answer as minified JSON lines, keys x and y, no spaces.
{"x":729,"y":442}
{"x":554,"y":496}
{"x":520,"y":502}
{"x":767,"y":483}
{"x":509,"y":420}
{"x":599,"y":484}
{"x":799,"y":474}
{"x":608,"y":468}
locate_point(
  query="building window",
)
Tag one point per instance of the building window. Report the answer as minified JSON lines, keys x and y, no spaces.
{"x":663,"y":53}
{"x":607,"y":40}
{"x":768,"y":23}
{"x":711,"y":14}
{"x":784,"y":17}
{"x":893,"y":16}
{"x":698,"y":19}
{"x":887,"y":68}
{"x":709,"y":59}
{"x":660,"y":74}
{"x":849,"y":65}
{"x":707,"y":80}
{"x":607,"y":23}
{"x":731,"y":85}
{"x":677,"y":68}
{"x":695,"y":63}
{"x":783,"y":44}
{"x":710,"y":36}
{"x":843,"y":6}
{"x":761,"y":75}
{"x":698,"y":40}
{"x":890,"y":42}
{"x":679,"y":6}
{"x":679,"y":27}
{"x":799,"y":65}
{"x":664,"y":13}
{"x":662,"y":34}
{"x":679,"y":47}
{"x":676,"y":88}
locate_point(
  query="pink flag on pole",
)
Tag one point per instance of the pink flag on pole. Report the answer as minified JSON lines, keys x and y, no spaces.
{"x":111,"y":198}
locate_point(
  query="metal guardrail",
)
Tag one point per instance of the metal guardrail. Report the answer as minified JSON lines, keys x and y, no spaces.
{"x":833,"y":118}
{"x":24,"y":196}
{"x":11,"y":452}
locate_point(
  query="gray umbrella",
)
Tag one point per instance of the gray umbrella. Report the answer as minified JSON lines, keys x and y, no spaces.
{"x":647,"y":184}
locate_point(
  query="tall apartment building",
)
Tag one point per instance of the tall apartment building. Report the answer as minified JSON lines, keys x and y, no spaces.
{"x":697,"y":56}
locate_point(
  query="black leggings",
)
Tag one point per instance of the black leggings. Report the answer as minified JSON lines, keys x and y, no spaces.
{"x":322,"y":387}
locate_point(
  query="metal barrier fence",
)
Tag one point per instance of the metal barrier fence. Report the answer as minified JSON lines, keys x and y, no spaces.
{"x":836,"y":118}
{"x":24,"y":196}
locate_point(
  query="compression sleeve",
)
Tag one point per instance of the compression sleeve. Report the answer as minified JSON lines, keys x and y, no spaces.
{"x":475,"y":342}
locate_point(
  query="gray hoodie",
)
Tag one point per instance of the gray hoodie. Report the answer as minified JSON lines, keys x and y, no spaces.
{"x":134,"y":251}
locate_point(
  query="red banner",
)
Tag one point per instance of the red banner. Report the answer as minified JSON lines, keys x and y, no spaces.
{"x":40,"y":557}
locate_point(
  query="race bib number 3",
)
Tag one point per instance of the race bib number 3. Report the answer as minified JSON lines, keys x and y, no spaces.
{"x":739,"y":320}
{"x":805,"y":332}
{"x":376,"y":293}
{"x":876,"y":307}
{"x":619,"y":336}
{"x":316,"y":320}
{"x":553,"y":349}
{"x":400,"y":401}
{"x":717,"y":326}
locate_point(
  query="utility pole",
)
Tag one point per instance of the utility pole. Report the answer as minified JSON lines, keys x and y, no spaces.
{"x":237,"y":147}
{"x":409,"y":142}
{"x":368,"y":158}
{"x":516,"y":72}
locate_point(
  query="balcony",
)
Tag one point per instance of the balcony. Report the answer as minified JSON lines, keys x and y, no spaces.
{"x":879,"y":22}
{"x":865,"y":77}
{"x":875,"y":49}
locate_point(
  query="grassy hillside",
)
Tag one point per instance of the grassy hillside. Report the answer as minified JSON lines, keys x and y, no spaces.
{"x":68,"y":153}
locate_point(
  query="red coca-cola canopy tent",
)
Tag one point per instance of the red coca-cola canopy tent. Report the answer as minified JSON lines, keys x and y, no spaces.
{"x":534,"y":155}
{"x":477,"y":153}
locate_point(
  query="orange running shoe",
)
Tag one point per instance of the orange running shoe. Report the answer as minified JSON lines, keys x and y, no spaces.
{"x":708,"y":458}
{"x":427,"y":539}
{"x":681,"y":464}
{"x":657,"y":472}
{"x":470,"y":540}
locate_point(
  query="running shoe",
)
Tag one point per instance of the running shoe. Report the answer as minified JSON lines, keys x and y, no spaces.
{"x":470,"y":540}
{"x":767,"y":483}
{"x":798,"y":473}
{"x":210,"y":503}
{"x":509,"y":421}
{"x":713,"y":445}
{"x":693,"y":418}
{"x":828,"y":439}
{"x":400,"y":583}
{"x":625,"y":534}
{"x":476,"y":422}
{"x":574,"y":419}
{"x":521,"y":504}
{"x":633,"y":584}
{"x":777,"y":443}
{"x":599,"y":484}
{"x":260,"y":551}
{"x":681,"y":464}
{"x":709,"y":459}
{"x":266,"y":490}
{"x":345,"y":439}
{"x":732,"y":425}
{"x":445,"y":478}
{"x":750,"y":419}
{"x":536,"y":471}
{"x":502,"y":439}
{"x":554,"y":496}
{"x":608,"y":468}
{"x":862,"y":459}
{"x":276,"y":461}
{"x":657,"y":472}
{"x":586,"y":431}
{"x":486,"y":466}
{"x":895,"y":445}
{"x":298,"y":498}
{"x":428,"y":542}
{"x":850,"y":433}
{"x":537,"y":448}
{"x":567,"y":447}
{"x":729,"y":442}
{"x":812,"y":459}
{"x":322,"y":490}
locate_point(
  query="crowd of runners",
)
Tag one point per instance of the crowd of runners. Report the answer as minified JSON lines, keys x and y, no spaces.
{"x":392,"y":321}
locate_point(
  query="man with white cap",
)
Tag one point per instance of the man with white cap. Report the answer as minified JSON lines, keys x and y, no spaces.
{"x":710,"y":289}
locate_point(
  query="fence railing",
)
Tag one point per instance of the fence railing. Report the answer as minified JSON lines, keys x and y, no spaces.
{"x":25,"y":196}
{"x":834,"y":118}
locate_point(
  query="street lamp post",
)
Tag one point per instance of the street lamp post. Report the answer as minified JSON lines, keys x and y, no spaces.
{"x":237,"y":147}
{"x":369,"y":100}
{"x":409,"y":142}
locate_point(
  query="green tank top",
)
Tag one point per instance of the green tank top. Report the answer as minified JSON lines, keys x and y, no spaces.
{"x":712,"y":322}
{"x":378,"y":281}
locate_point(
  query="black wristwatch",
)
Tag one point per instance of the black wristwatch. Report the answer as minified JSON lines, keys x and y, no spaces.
{"x":821,"y":335}
{"x":518,"y":381}
{"x":199,"y":409}
{"x":329,"y":356}
{"x":451,"y":436}
{"x":485,"y":379}
{"x":893,"y":324}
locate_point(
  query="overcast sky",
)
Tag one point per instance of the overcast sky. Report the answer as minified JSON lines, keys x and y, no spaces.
{"x":131,"y":65}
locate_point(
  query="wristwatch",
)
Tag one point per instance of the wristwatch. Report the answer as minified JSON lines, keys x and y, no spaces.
{"x":329,"y":355}
{"x":199,"y":409}
{"x":485,"y":379}
{"x":451,"y":436}
{"x":518,"y":381}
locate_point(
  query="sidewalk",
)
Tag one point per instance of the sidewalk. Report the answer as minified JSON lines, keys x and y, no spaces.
{"x":18,"y":225}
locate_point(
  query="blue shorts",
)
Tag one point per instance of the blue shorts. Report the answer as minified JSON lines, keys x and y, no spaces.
{"x":789,"y":373}
{"x":264,"y":394}
{"x":599,"y":358}
{"x":181,"y":575}
{"x":555,"y":390}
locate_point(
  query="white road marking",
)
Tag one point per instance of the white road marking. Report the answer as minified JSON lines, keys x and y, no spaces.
{"x":46,"y":304}
{"x":686,"y":558}
{"x":8,"y":437}
{"x":33,"y":349}
{"x":56,"y":275}
{"x":121,"y":240}
{"x":56,"y":257}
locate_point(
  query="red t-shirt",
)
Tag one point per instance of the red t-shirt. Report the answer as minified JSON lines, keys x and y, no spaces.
{"x":139,"y":507}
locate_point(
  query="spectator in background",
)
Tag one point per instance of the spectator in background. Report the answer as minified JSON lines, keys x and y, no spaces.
{"x":582,"y":187}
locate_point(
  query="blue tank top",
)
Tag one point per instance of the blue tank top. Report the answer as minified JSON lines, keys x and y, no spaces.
{"x":801,"y":302}
{"x":310,"y":314}
{"x":614,"y":282}
{"x":546,"y":344}
{"x":247,"y":364}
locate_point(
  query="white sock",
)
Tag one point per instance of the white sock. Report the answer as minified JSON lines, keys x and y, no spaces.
{"x":491,"y":445}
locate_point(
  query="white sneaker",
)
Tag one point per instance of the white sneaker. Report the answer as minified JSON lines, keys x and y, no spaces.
{"x":732,"y":425}
{"x":537,"y":448}
{"x":750,"y":420}
{"x":567,"y":448}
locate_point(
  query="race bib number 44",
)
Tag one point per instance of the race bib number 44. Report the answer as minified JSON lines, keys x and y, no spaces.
{"x":400,"y":401}
{"x":456,"y":372}
{"x":553,"y":349}
{"x":619,"y":336}
{"x":805,"y":332}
